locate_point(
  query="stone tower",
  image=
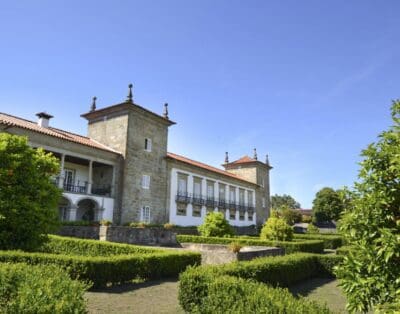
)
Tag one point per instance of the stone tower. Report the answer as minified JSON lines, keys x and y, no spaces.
{"x":141,"y":136}
{"x":255,"y":171}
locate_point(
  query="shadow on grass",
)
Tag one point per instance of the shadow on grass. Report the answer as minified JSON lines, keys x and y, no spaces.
{"x":307,"y":287}
{"x":128,"y":287}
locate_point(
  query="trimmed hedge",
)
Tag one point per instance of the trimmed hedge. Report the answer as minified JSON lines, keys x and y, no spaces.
{"x":85,"y":247}
{"x":330,"y":241}
{"x":276,"y":271}
{"x":309,"y":246}
{"x":105,"y":262}
{"x":38,"y":289}
{"x":227,"y":294}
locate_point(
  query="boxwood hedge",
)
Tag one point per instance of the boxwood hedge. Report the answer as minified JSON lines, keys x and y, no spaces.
{"x":38,"y":289}
{"x":330,"y":241}
{"x":282,"y":271}
{"x":104,"y":263}
{"x":309,"y":246}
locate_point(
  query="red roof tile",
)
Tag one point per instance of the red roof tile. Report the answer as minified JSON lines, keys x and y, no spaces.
{"x":206,"y":167}
{"x":13,"y":121}
{"x":243,"y":160}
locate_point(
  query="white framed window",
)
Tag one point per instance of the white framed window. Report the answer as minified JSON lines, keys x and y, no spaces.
{"x":181,"y":209}
{"x":145,"y":214}
{"x":147,"y":144}
{"x":263,"y":202}
{"x":182,"y":184}
{"x":145,"y":181}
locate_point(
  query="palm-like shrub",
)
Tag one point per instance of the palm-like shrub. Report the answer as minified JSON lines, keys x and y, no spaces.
{"x":215,"y":225}
{"x":276,"y":229}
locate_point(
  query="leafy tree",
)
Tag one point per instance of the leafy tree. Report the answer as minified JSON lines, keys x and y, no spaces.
{"x":370,"y":274}
{"x":276,"y":229}
{"x":28,"y":199}
{"x":283,"y":201}
{"x":291,"y":216}
{"x":215,"y":225}
{"x":327,"y":205}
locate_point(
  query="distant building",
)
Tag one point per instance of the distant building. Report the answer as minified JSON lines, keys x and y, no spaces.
{"x":122,"y":171}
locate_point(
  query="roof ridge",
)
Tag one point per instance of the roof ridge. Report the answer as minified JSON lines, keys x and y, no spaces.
{"x":211,"y":168}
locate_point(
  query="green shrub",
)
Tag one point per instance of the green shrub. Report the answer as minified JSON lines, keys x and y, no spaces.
{"x":28,"y":198}
{"x":331,"y":241}
{"x":39,"y":289}
{"x":280,"y":271}
{"x":276,"y":229}
{"x":215,"y":225}
{"x":312,"y":229}
{"x":344,"y":250}
{"x":227,"y":294}
{"x":291,"y":216}
{"x":310,"y":246}
{"x":104,"y":262}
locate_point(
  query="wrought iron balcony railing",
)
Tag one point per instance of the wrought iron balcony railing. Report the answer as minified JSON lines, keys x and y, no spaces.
{"x":182,"y":197}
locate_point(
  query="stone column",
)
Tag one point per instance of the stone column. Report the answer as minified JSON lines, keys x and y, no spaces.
{"x":61,"y":176}
{"x":112,"y":194}
{"x":190,"y":194}
{"x":203,"y":195}
{"x":89,"y":187}
{"x":72,"y":213}
{"x":216,"y":194}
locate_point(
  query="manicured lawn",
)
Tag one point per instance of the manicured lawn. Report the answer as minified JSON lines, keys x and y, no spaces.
{"x":148,"y":297}
{"x":322,"y":290}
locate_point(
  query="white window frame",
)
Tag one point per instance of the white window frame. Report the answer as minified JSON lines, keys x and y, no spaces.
{"x":147,"y":144}
{"x":146,"y":181}
{"x":145,"y":215}
{"x":263,"y":202}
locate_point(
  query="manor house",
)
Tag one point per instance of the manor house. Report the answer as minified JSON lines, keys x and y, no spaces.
{"x":121,"y":171}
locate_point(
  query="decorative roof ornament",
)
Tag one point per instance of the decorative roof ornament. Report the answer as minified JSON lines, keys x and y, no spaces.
{"x":255,"y":154}
{"x":130,"y":97}
{"x":166,"y":110}
{"x":93,"y":106}
{"x":226,"y":157}
{"x":266,"y":160}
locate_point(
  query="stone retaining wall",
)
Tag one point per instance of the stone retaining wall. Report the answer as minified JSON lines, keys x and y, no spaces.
{"x":220,"y":254}
{"x":145,"y":236}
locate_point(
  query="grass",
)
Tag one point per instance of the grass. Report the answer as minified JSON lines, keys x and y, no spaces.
{"x":322,"y":290}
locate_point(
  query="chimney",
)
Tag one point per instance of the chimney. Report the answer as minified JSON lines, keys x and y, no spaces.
{"x":44,"y":119}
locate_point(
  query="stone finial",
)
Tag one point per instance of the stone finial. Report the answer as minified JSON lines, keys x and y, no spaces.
{"x":266,"y":160}
{"x":226,"y":157}
{"x":255,"y":154}
{"x":93,"y":106}
{"x":166,"y":110}
{"x":129,"y":98}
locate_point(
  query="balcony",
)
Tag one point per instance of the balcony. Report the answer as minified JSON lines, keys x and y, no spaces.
{"x":183,"y":197}
{"x":83,"y":187}
{"x":197,"y":200}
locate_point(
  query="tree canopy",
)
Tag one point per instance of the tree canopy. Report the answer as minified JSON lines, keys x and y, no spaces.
{"x":215,"y":225}
{"x":279,"y":202}
{"x":370,"y":274}
{"x":327,"y":205}
{"x":28,"y":198}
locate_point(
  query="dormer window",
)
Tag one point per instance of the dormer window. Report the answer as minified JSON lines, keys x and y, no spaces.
{"x":147,"y":145}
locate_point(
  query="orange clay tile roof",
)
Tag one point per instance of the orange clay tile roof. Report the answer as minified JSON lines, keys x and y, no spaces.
{"x":12,"y":121}
{"x":206,"y":167}
{"x":243,"y":160}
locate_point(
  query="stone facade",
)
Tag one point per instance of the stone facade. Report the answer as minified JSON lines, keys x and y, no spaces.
{"x":126,"y":148}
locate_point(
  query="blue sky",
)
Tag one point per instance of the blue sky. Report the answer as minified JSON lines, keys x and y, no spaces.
{"x":308,"y":82}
